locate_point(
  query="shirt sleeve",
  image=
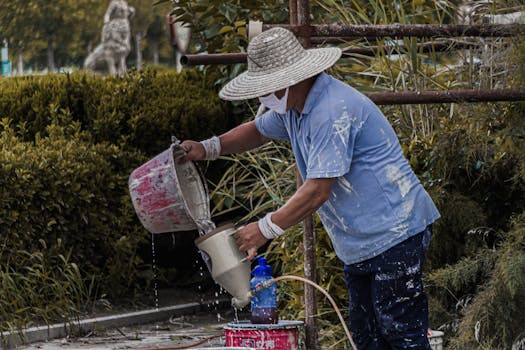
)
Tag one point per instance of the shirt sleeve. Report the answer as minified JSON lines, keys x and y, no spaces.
{"x":331,"y":148}
{"x":271,"y":125}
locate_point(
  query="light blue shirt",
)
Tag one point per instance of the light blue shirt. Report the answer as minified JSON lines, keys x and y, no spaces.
{"x":376,"y":201}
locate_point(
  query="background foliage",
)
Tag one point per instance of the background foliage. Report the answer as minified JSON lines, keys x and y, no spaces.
{"x":56,"y":34}
{"x":67,"y":146}
{"x":70,"y":141}
{"x":468,"y":156}
{"x":140,"y":111}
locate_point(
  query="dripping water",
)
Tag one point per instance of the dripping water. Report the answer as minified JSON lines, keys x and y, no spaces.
{"x":236,"y":317}
{"x":154,"y":267}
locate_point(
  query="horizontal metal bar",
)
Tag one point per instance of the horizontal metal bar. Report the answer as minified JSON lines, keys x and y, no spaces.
{"x":215,"y":58}
{"x":231,"y":58}
{"x":446,"y":96}
{"x":403,"y":30}
{"x":388,"y":98}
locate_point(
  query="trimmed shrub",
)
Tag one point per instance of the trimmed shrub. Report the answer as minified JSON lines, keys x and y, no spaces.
{"x":67,"y":146}
{"x":142,"y":110}
{"x":64,"y":188}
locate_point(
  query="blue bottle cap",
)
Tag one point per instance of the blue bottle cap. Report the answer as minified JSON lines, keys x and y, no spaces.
{"x":262,"y":269}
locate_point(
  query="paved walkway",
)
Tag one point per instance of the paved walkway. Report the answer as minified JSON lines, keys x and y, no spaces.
{"x":175,"y":332}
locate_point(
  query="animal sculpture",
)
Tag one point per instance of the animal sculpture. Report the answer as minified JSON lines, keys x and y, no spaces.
{"x":115,"y":44}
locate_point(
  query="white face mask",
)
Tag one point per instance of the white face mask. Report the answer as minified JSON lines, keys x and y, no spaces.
{"x":271,"y":101}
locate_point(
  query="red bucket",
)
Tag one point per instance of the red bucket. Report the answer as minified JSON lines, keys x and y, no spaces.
{"x":281,"y":336}
{"x":170,"y":197}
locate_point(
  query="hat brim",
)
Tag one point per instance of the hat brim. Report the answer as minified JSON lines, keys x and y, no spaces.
{"x":247,"y":85}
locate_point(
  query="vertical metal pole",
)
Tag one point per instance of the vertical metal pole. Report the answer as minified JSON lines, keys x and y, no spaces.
{"x":303,"y":18}
{"x":293,"y":12}
{"x":300,"y":14}
{"x":309,"y":265}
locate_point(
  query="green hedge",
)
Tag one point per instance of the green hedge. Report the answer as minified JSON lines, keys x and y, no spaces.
{"x":68,"y":144}
{"x":142,"y":110}
{"x":64,"y":187}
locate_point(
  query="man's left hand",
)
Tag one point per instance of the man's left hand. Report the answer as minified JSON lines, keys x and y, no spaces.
{"x":249,"y":238}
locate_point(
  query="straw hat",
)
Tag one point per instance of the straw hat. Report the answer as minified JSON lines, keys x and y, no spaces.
{"x":276,"y":60}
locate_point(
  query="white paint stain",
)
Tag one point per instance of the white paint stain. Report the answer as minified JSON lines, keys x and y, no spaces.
{"x":329,"y":223}
{"x":410,"y":284}
{"x":341,"y":128}
{"x":411,"y":270}
{"x":332,"y":209}
{"x":345,"y":184}
{"x":387,"y":139}
{"x":393,"y":174}
{"x":408,"y":208}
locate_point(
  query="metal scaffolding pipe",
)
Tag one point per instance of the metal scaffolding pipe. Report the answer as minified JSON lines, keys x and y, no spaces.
{"x":292,"y":4}
{"x":303,"y":19}
{"x":309,"y":258}
{"x":403,"y":30}
{"x":231,"y":58}
{"x":214,"y":58}
{"x":446,"y":96}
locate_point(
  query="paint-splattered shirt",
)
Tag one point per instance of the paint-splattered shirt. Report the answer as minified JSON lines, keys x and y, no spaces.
{"x":377,"y":200}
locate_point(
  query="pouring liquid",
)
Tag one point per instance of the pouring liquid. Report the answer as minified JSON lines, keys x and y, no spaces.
{"x":205,"y":226}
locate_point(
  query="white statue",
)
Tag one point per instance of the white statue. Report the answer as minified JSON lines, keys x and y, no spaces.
{"x":115,"y":45}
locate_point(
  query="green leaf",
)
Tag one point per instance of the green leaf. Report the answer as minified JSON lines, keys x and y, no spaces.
{"x":226,"y":29}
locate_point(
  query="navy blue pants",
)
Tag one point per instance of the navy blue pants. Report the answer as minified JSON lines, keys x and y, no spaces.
{"x":388,"y":307}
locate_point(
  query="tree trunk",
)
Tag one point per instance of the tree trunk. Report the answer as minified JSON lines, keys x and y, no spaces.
{"x":138,"y":50}
{"x":155,"y":46}
{"x":20,"y":66}
{"x":50,"y":55}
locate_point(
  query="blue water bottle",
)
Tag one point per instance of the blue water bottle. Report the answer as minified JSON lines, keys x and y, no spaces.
{"x":263,"y":304}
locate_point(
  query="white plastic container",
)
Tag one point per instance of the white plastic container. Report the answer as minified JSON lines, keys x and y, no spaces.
{"x":436,"y":339}
{"x":229,"y":266}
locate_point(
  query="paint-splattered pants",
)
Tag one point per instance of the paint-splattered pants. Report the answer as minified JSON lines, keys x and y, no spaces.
{"x":388,"y":308}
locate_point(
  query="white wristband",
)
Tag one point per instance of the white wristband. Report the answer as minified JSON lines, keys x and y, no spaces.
{"x":268,"y":228}
{"x":212,"y":146}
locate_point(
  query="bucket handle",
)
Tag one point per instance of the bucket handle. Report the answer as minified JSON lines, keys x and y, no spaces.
{"x":175,"y":143}
{"x":175,"y":147}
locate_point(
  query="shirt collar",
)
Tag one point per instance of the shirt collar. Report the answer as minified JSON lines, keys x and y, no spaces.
{"x":315,"y":91}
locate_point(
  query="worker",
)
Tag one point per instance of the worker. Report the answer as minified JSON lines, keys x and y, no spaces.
{"x":356,"y":177}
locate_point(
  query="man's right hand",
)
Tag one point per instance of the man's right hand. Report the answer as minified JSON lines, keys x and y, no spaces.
{"x":194,"y":151}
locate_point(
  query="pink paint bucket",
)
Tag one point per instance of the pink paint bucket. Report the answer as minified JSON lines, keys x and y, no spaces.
{"x":170,"y":197}
{"x":282,"y":336}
